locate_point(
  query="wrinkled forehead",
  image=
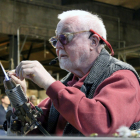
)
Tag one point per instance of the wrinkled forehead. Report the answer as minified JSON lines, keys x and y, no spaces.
{"x":67,"y":25}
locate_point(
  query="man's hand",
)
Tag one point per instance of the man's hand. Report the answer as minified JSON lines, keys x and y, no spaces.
{"x":17,"y":80}
{"x":34,"y":71}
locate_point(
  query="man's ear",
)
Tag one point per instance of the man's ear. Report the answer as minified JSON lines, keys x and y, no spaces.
{"x":94,"y":41}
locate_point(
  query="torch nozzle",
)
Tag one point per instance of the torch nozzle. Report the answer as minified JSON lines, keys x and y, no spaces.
{"x":5,"y":74}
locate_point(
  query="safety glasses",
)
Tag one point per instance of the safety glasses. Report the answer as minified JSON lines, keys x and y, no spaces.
{"x":67,"y":37}
{"x":63,"y":38}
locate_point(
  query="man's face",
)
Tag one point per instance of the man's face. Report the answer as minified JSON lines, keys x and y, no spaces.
{"x":6,"y":100}
{"x":75,"y":54}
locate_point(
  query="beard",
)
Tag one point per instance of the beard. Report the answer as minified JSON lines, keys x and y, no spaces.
{"x":76,"y":62}
{"x":68,"y":65}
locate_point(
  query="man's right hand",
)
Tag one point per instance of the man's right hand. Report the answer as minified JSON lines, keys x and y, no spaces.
{"x":34,"y":71}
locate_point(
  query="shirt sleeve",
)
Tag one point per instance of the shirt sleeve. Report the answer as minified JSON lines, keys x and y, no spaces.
{"x":115,"y":103}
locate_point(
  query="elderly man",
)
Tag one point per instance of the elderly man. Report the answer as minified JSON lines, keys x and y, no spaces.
{"x":99,"y":94}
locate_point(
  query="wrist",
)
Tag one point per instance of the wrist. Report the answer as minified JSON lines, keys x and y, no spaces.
{"x":48,"y":83}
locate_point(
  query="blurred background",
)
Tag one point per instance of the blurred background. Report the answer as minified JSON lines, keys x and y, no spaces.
{"x":26,"y":26}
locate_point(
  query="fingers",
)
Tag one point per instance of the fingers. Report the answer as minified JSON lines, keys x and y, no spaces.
{"x":15,"y":79}
{"x":34,"y":71}
{"x":11,"y":72}
{"x":26,"y":73}
{"x":18,"y":81}
{"x":26,"y":69}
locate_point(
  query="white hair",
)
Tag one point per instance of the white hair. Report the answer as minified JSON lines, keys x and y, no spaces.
{"x":87,"y":20}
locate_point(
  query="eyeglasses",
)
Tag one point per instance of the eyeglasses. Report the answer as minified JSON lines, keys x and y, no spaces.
{"x":63,"y":38}
{"x":67,"y":37}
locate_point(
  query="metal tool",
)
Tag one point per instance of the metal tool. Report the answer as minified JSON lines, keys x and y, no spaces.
{"x":23,"y":119}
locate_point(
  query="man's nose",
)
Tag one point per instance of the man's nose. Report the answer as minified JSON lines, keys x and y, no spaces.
{"x":59,"y":45}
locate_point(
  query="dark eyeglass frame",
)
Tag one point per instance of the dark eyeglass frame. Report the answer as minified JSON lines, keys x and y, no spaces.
{"x":66,"y":35}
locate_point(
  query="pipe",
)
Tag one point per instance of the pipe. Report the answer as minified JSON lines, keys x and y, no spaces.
{"x":18,"y":42}
{"x":23,"y":43}
{"x":119,"y":32}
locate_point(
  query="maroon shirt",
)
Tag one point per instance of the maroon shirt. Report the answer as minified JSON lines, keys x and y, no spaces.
{"x":116,"y":102}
